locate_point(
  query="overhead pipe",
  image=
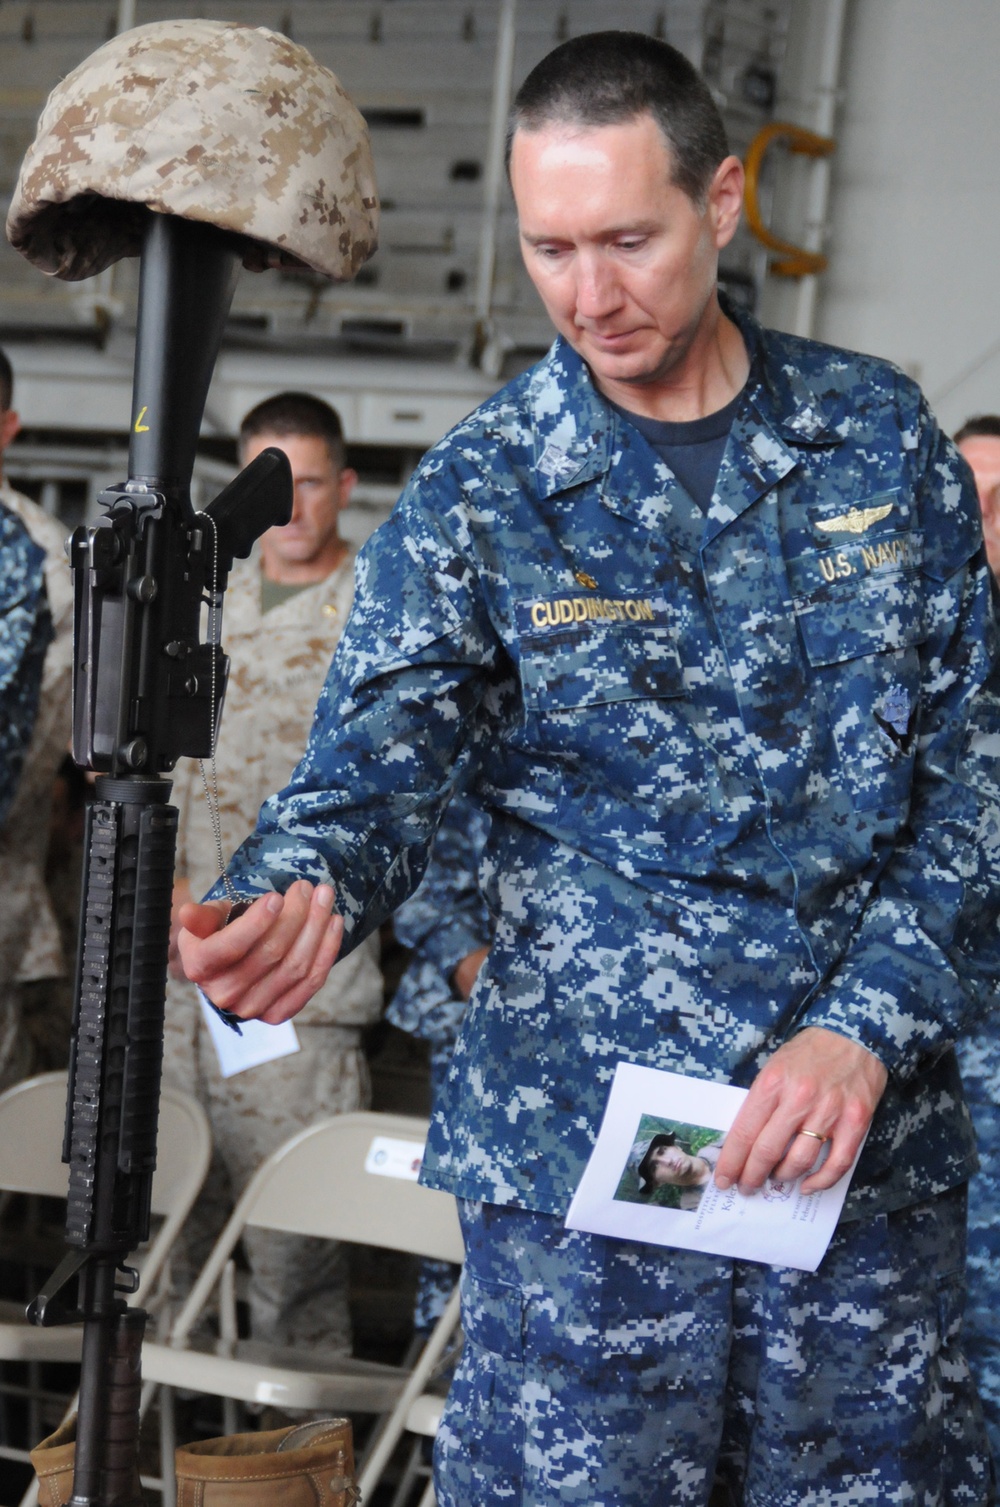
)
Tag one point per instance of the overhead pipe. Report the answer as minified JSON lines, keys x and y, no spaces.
{"x":795,"y":261}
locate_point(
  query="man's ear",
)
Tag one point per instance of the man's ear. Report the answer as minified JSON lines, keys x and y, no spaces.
{"x":725,"y":199}
{"x":10,"y":424}
{"x":345,"y":486}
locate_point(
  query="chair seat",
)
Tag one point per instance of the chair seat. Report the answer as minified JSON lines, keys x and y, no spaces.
{"x":252,"y":1372}
{"x":424,"y":1415}
{"x":22,"y":1341}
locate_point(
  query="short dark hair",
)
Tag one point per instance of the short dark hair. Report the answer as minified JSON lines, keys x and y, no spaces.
{"x":986,"y":425}
{"x":606,"y":77}
{"x":6,"y":382}
{"x":296,"y":413}
{"x":665,"y":1138}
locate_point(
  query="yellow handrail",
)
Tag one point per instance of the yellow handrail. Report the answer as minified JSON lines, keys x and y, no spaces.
{"x":796,"y":260}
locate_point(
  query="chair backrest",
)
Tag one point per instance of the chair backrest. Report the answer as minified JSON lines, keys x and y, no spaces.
{"x":317,"y":1183}
{"x":31,"y":1136}
{"x":321,"y":1182}
{"x":32,"y":1114}
{"x":183,"y":1152}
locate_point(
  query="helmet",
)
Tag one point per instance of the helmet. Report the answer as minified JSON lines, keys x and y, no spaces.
{"x":638,"y":1159}
{"x":232,"y":125}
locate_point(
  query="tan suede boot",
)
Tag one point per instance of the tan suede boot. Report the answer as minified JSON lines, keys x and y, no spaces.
{"x":308,"y":1466}
{"x":53,"y":1460}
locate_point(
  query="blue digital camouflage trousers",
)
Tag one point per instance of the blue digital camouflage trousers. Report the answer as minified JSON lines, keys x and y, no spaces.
{"x":604,"y":1373}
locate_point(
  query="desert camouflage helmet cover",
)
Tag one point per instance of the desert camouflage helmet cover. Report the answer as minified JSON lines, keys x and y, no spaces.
{"x":232,"y":125}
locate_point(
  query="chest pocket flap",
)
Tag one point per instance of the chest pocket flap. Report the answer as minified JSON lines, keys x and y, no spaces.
{"x":860,"y":599}
{"x":589,"y":650}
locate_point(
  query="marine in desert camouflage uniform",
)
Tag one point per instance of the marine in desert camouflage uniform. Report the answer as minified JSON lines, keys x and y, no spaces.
{"x":285,"y":610}
{"x":34,"y":1018}
{"x":739,"y":759}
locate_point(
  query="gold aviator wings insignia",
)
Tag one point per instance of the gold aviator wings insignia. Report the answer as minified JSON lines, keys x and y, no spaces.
{"x":855,"y":520}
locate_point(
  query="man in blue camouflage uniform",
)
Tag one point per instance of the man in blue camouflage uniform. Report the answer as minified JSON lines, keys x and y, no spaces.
{"x":25,"y":633}
{"x":740,"y":762}
{"x":978,"y":442}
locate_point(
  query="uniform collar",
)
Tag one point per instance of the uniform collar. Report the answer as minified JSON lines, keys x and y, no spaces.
{"x":792,"y":407}
{"x":782,"y":414}
{"x":242,"y":612}
{"x":579,"y":437}
{"x":570,"y":422}
{"x":577,"y":434}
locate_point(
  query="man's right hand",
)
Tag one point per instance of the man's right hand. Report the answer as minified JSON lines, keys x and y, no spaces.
{"x":271,"y":961}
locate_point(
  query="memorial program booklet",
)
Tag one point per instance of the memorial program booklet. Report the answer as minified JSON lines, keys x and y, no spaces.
{"x":256,"y":1044}
{"x":649,"y":1178}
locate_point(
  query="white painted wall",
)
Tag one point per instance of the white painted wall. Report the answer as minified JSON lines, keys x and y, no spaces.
{"x":915,"y":246}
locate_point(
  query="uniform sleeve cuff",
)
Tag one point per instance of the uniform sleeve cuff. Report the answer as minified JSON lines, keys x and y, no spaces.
{"x":902,"y":1039}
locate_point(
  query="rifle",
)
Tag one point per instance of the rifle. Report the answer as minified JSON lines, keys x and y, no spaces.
{"x":146,"y":690}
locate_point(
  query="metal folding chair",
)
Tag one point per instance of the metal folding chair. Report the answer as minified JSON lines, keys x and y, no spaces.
{"x":327,"y":1182}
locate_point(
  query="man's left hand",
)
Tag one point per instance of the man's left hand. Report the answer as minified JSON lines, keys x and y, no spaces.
{"x":818,"y":1081}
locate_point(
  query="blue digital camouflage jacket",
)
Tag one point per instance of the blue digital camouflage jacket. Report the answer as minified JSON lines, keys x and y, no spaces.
{"x":25,"y":634}
{"x":741,"y":768}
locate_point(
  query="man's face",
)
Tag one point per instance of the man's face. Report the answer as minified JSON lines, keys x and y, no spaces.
{"x":982,"y":451}
{"x":673,"y":1166}
{"x":321,"y":491}
{"x":624,"y":261}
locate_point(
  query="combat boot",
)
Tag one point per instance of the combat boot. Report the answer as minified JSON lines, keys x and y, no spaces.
{"x":311,"y":1465}
{"x":53,"y":1460}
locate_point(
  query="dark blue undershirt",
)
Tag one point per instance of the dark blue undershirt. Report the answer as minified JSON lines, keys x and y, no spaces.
{"x":694,"y":450}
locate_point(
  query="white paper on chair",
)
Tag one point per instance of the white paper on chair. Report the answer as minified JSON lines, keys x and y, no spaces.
{"x":620,"y":1193}
{"x":258,"y":1043}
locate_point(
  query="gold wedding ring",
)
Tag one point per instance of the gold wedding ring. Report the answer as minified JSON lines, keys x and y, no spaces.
{"x":815,"y":1135}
